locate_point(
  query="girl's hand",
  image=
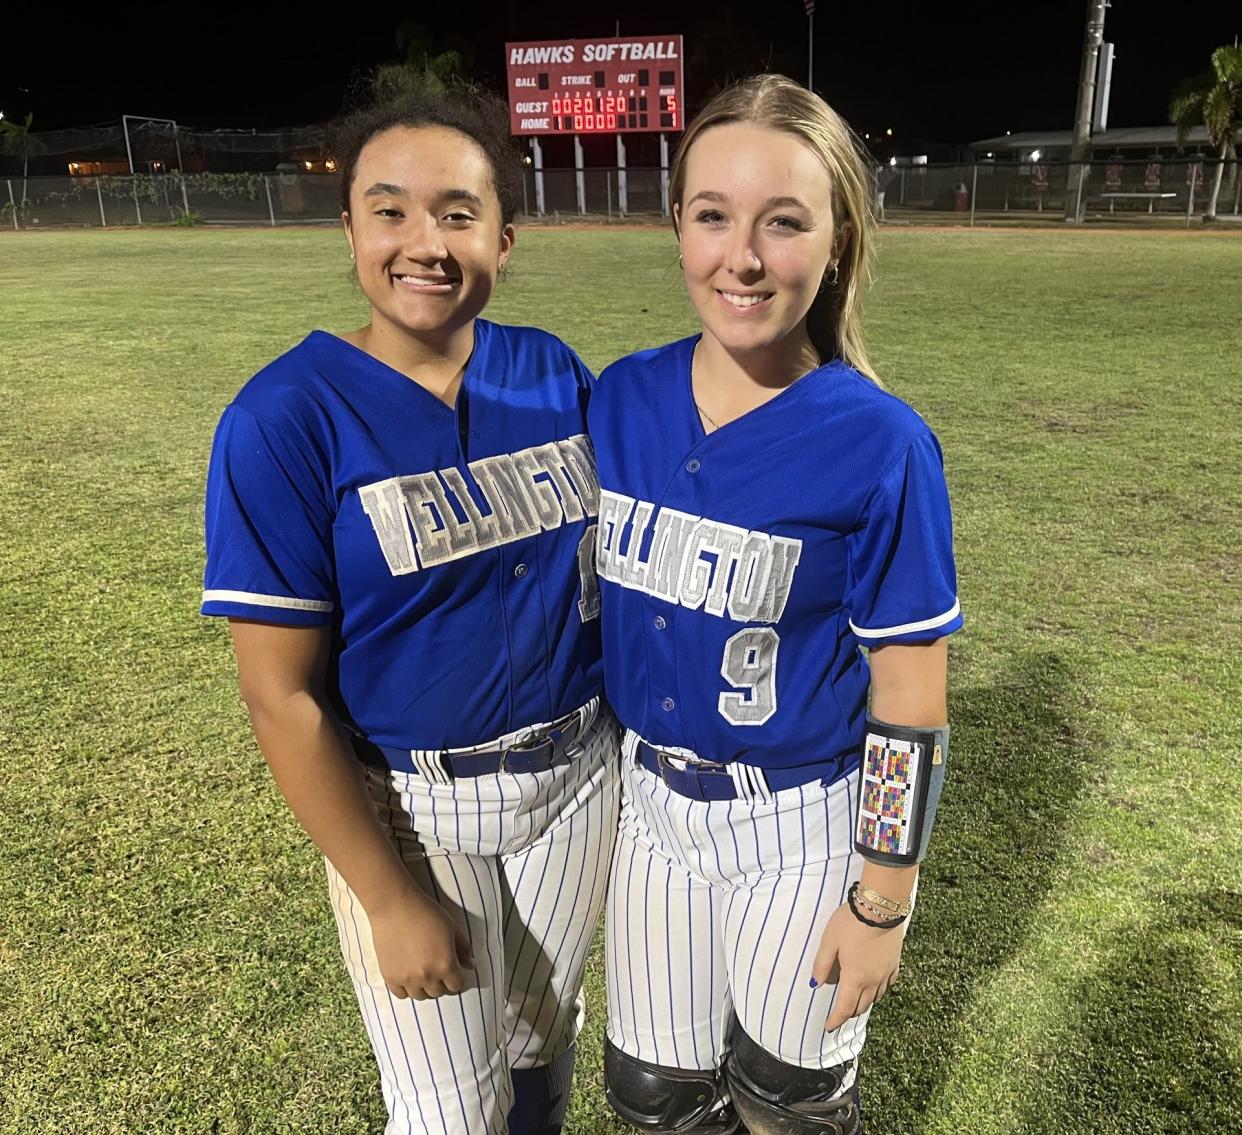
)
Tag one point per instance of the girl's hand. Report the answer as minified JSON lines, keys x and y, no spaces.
{"x":864,"y":962}
{"x":421,"y":951}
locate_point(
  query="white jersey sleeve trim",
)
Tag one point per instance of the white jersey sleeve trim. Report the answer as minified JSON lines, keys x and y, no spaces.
{"x":266,"y":600}
{"x":908,"y":628}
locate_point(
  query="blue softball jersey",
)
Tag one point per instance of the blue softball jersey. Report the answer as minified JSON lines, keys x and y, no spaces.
{"x":450,"y":550}
{"x":740,"y":571}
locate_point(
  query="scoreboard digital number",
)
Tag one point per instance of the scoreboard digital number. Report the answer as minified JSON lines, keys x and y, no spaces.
{"x":596,"y":86}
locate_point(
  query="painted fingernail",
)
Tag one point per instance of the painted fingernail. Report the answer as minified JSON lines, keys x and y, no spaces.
{"x":814,"y":983}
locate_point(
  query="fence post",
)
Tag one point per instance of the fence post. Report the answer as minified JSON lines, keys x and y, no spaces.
{"x":663,"y":174}
{"x":133,"y":185}
{"x":608,"y":182}
{"x":1190,"y":197}
{"x":13,"y":205}
{"x":541,"y":200}
{"x":267,"y":187}
{"x":1237,"y":181}
{"x":185,"y":197}
{"x":580,"y":175}
{"x":103,"y":217}
{"x":974,"y":188}
{"x":1083,"y":174}
{"x":903,"y":185}
{"x":623,"y":188}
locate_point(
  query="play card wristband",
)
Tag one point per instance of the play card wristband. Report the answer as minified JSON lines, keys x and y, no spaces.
{"x":899,"y":784}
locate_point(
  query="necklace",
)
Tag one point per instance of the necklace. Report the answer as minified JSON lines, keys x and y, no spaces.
{"x":706,"y":416}
{"x":698,"y":406}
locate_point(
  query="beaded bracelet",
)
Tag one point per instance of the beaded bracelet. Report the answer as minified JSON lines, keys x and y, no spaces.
{"x":852,"y":898}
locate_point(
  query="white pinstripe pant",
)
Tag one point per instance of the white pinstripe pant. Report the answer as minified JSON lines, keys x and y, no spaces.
{"x":521,"y":862}
{"x":717,"y":907}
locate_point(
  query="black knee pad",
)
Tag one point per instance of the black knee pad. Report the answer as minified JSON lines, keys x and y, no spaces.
{"x":673,"y":1101}
{"x":775,"y":1098}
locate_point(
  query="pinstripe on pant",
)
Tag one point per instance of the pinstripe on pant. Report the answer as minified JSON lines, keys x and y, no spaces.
{"x":521,"y":862}
{"x":717,"y":907}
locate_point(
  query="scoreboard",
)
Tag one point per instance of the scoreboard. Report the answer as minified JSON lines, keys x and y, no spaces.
{"x":596,"y":86}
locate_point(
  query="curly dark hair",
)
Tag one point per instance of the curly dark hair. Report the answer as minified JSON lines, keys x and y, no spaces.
{"x":463,"y":107}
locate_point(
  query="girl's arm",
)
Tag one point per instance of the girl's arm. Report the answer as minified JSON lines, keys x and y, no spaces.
{"x":421,"y":951}
{"x":908,"y":684}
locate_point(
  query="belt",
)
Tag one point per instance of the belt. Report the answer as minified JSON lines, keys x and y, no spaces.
{"x":699,"y":779}
{"x":533,"y":749}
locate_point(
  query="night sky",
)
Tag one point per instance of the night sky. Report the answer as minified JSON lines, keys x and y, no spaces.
{"x":949,"y":72}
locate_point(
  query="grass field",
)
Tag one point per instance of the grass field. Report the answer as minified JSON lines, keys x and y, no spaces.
{"x":167,"y":957}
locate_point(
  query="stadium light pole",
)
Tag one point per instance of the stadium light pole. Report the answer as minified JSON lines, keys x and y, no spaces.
{"x":809,"y":5}
{"x":1082,"y":119}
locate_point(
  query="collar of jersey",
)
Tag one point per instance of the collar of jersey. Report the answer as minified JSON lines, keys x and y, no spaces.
{"x":339,"y":350}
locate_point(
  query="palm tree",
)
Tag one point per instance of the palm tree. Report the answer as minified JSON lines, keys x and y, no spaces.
{"x":426,"y":66}
{"x":15,"y":139}
{"x":1213,"y":100}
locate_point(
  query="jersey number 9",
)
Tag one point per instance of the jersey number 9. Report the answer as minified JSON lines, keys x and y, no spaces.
{"x":749,"y":664}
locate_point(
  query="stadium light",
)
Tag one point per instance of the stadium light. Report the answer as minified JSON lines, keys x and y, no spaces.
{"x":1035,"y":155}
{"x":889,"y":131}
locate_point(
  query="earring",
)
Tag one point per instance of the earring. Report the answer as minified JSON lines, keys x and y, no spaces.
{"x":681,"y":263}
{"x":830,"y":278}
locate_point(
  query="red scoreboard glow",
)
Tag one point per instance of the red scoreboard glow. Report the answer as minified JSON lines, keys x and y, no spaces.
{"x":594,"y":86}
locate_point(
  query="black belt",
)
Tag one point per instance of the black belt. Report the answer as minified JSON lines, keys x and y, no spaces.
{"x":543,"y":749}
{"x":711,"y":780}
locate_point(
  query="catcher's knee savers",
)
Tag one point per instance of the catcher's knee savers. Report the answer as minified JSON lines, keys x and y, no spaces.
{"x":674,"y":1101}
{"x":899,"y":787}
{"x":775,"y":1098}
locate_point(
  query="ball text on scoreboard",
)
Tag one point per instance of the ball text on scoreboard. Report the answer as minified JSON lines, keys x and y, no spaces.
{"x":596,"y":86}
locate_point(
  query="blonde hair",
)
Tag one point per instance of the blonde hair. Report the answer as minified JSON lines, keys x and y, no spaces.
{"x":834,"y":322}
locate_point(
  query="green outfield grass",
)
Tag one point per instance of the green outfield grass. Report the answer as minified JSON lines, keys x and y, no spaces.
{"x":168,"y":961}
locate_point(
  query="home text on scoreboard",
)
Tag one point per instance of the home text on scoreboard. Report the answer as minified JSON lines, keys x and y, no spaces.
{"x":596,"y":86}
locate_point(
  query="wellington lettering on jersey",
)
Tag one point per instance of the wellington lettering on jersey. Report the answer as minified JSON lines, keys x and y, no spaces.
{"x":695,"y":562}
{"x":431,"y":518}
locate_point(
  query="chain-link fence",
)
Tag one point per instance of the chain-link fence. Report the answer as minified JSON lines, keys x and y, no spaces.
{"x":1113,"y":190}
{"x":192,"y":198}
{"x":283,"y":198}
{"x":604,"y":192}
{"x":1145,"y":191}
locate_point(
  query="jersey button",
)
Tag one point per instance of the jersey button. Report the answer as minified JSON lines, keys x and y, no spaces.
{"x":659,"y":623}
{"x":668,"y":705}
{"x":693,"y":465}
{"x":520,"y":571}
